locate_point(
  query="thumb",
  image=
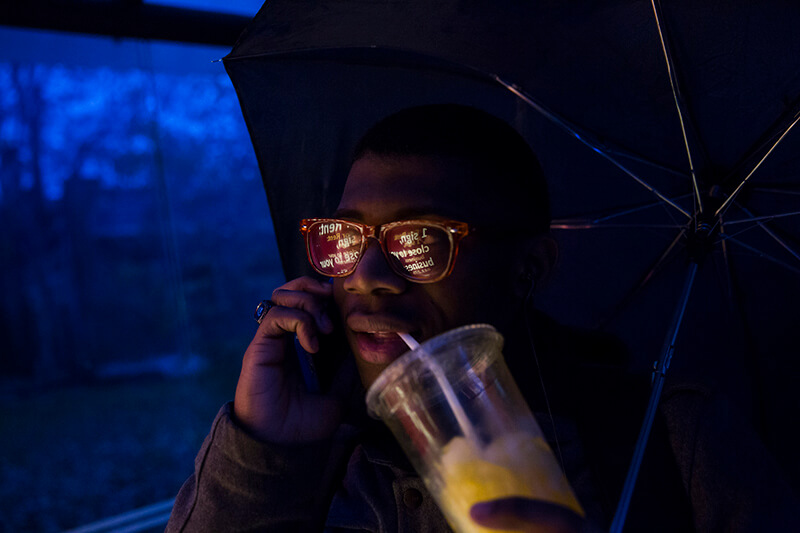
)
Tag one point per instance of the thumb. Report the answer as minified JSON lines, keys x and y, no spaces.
{"x":525,"y":514}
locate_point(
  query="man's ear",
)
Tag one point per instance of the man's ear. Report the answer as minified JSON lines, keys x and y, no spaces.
{"x":540,"y":256}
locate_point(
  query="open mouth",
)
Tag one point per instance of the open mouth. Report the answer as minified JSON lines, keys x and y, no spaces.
{"x":380,"y":347}
{"x":375,"y":335}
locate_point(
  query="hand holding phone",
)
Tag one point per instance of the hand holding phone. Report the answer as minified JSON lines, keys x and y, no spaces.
{"x":270,"y":401}
{"x":318,"y":369}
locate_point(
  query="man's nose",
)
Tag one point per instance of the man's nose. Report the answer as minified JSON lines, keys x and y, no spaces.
{"x":373,"y":273}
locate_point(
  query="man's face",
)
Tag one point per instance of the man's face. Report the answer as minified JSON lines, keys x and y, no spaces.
{"x":375,"y":303}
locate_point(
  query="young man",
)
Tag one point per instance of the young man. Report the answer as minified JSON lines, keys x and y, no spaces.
{"x":282,"y":459}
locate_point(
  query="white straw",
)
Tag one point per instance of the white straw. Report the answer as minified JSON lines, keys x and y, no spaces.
{"x":449,"y":394}
{"x":410,"y":341}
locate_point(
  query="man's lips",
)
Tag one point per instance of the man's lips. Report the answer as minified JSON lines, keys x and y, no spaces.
{"x":380,"y":347}
{"x":377,"y":323}
{"x":376,"y":336}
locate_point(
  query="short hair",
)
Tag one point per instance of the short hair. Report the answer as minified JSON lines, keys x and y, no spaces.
{"x":487,"y":143}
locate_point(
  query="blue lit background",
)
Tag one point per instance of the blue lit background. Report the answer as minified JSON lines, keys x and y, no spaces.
{"x":135,"y":242}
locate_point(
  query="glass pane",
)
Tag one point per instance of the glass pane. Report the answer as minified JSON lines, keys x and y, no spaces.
{"x":135,"y":243}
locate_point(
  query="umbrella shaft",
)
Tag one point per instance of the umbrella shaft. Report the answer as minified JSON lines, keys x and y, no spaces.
{"x":652,"y":407}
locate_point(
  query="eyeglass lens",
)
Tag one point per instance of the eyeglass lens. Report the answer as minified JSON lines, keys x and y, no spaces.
{"x":415,"y":250}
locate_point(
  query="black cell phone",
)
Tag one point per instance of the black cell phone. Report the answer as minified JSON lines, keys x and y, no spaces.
{"x":318,"y":369}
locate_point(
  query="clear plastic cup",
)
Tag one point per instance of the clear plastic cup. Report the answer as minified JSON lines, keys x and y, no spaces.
{"x":459,"y":416}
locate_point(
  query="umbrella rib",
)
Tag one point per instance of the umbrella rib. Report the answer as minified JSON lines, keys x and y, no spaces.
{"x":639,"y":159}
{"x":763,"y":218}
{"x":615,"y":214}
{"x":761,"y":222}
{"x":781,"y":242}
{"x":669,"y":213}
{"x":765,"y":255}
{"x":635,"y":209}
{"x":772,"y":132}
{"x":725,"y":236}
{"x":776,"y":191}
{"x":582,"y":137}
{"x":680,"y":104}
{"x":644,"y":280}
{"x":590,"y":224}
{"x":726,"y":205}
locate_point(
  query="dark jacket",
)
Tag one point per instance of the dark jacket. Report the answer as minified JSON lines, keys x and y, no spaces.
{"x":703,"y":470}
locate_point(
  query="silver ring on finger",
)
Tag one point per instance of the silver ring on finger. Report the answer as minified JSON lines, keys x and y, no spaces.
{"x":262,"y":309}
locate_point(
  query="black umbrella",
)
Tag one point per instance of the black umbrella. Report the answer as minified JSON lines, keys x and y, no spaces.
{"x":666,"y":132}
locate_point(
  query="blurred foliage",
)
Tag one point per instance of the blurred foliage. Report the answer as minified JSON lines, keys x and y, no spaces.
{"x":135,"y":243}
{"x":133,"y":212}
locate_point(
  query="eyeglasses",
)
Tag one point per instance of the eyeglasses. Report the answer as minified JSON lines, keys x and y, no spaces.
{"x":422,"y":251}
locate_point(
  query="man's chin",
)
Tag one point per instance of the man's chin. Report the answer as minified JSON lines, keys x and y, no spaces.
{"x":368,"y":372}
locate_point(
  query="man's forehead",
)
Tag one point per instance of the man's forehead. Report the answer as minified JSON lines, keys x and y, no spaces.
{"x":408,"y":187}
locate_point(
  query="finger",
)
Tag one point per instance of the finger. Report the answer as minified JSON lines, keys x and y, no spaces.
{"x":525,"y":514}
{"x":310,"y":303}
{"x":314,"y":303}
{"x":308,"y":284}
{"x":282,"y":320}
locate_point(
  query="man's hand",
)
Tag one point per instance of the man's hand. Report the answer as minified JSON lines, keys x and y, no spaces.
{"x":271,"y":402}
{"x":528,"y":515}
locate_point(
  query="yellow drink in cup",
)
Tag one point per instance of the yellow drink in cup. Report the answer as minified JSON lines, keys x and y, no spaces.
{"x":513,"y":465}
{"x":460,"y":418}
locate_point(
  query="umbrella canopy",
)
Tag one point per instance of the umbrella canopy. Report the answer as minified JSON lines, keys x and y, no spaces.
{"x":666,"y":133}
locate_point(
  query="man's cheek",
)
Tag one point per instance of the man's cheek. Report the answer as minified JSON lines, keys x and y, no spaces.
{"x":458,"y":303}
